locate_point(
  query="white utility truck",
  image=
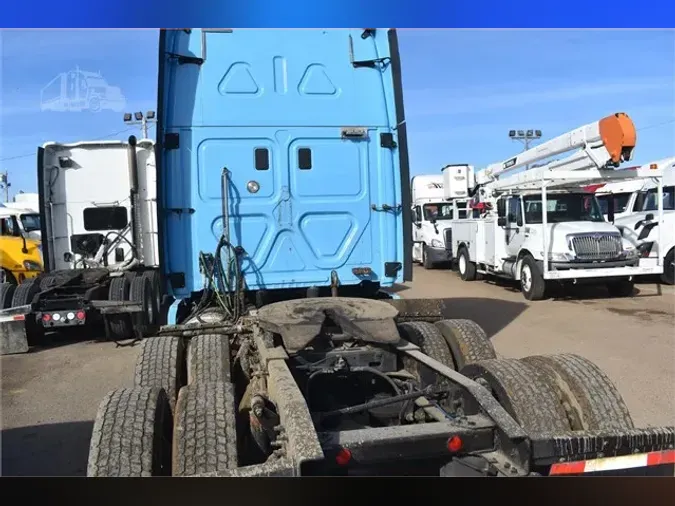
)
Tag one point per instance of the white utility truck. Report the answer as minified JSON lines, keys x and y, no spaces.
{"x":569,"y":242}
{"x":432,"y":214}
{"x":642,"y":229}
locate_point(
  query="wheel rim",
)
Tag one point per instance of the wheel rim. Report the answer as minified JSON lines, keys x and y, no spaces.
{"x":462,"y":263}
{"x":526,"y":278}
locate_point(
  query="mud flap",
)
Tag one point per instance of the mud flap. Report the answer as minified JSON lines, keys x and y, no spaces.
{"x":420,"y":309}
{"x":13,"y":334}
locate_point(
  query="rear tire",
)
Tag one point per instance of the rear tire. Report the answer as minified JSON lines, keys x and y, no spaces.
{"x":466,"y":268}
{"x":426,"y":263}
{"x":432,"y":343}
{"x":589,"y":397}
{"x":209,"y":359}
{"x":523,"y":393}
{"x":119,"y":325}
{"x":132,"y":435}
{"x":25,"y":293}
{"x":467,"y":341}
{"x":668,"y":276}
{"x":161,"y":364}
{"x":140,"y":292}
{"x":156,"y":290}
{"x":622,"y":288}
{"x":532,"y":282}
{"x":6,"y":295}
{"x":205,"y":436}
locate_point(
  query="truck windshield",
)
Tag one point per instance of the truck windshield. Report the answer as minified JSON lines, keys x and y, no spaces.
{"x":438,"y":211}
{"x":620,"y":202}
{"x":30,"y":222}
{"x":651,"y":202}
{"x":562,"y":208}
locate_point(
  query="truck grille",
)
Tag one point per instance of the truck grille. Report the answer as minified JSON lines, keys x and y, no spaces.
{"x":447,"y":233}
{"x":597,"y":246}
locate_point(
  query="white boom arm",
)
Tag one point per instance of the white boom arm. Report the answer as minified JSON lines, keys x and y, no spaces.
{"x":607,"y":142}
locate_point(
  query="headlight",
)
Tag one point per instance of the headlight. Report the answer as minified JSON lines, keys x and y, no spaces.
{"x":435,"y":243}
{"x":561,"y":257}
{"x":631,"y":253}
{"x":32,"y":266}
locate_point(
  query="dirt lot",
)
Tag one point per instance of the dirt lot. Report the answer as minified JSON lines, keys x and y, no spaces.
{"x":50,"y":396}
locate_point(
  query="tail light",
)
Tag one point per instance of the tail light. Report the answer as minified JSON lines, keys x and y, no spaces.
{"x":455,"y":444}
{"x":343,"y":457}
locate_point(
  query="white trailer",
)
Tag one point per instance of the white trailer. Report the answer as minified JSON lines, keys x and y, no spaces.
{"x":655,"y":242}
{"x":432,"y":213}
{"x":539,"y":226}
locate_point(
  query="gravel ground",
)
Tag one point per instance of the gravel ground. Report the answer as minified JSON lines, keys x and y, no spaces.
{"x":50,"y":396}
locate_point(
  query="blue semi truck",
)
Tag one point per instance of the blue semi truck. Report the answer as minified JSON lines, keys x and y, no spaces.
{"x":283,"y":209}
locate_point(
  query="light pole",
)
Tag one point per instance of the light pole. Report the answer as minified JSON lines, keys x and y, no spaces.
{"x":4,"y":181}
{"x":526,"y":137}
{"x":139,"y":119}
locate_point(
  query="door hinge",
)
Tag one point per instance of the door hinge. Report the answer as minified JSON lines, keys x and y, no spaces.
{"x":387,"y":140}
{"x":385,"y":207}
{"x":171,"y":141}
{"x":185,"y":59}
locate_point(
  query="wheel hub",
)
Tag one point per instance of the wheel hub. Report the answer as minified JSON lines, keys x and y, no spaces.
{"x":526,"y":278}
{"x":462,"y":264}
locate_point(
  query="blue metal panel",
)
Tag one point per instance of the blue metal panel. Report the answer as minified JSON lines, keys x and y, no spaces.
{"x":290,"y":93}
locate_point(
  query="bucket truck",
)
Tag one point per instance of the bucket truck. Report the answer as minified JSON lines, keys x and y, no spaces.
{"x":539,"y":226}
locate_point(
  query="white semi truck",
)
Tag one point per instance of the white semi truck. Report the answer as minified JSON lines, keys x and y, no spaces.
{"x":99,"y":246}
{"x":432,"y":213}
{"x":539,"y":226}
{"x":655,"y":238}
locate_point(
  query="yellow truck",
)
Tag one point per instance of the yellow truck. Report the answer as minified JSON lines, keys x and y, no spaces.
{"x":20,"y":248}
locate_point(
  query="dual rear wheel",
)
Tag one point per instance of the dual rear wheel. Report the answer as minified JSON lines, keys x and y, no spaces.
{"x":178,"y":419}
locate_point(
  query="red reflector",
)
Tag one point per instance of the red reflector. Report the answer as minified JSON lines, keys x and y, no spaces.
{"x":80,"y":315}
{"x":343,"y":457}
{"x":46,"y":317}
{"x":455,"y":444}
{"x":568,"y":468}
{"x":19,"y":317}
{"x":659,"y":458}
{"x":614,"y":463}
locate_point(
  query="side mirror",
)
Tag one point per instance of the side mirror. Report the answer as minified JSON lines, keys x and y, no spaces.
{"x":649,"y":217}
{"x":501,"y":221}
{"x":519,"y":221}
{"x":501,"y":208}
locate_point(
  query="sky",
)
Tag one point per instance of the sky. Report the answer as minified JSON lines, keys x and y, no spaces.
{"x":463,"y":89}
